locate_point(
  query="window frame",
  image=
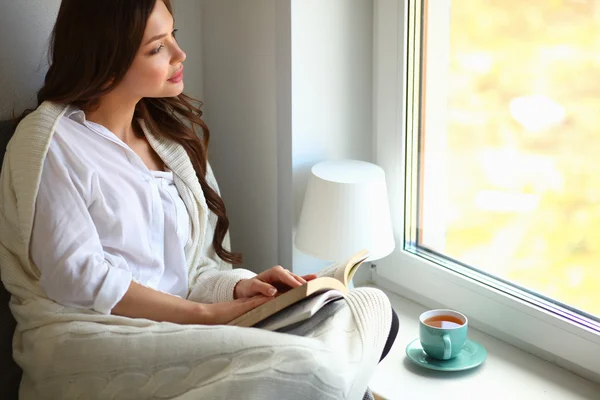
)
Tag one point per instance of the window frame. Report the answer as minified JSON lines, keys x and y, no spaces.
{"x":531,"y":328}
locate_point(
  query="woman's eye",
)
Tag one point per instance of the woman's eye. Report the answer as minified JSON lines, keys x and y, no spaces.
{"x":156,"y":50}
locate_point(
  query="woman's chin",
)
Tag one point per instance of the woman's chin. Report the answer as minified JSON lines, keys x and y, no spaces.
{"x":173,"y":91}
{"x":176,"y":89}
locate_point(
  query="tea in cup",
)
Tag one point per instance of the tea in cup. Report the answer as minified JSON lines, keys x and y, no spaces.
{"x":442,"y":333}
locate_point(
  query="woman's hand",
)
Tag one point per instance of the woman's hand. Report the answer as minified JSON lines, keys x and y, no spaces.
{"x":270,"y":282}
{"x":222,"y":313}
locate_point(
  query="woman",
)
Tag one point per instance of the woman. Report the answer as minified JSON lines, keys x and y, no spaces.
{"x":114,"y":239}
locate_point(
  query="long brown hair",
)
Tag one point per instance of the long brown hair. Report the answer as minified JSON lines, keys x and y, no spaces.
{"x":92,"y":46}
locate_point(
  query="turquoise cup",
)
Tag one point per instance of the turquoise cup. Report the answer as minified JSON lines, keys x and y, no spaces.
{"x":442,"y":338}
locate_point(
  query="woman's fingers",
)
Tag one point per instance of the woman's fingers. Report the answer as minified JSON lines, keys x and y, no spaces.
{"x":288,"y":278}
{"x":278,"y":279}
{"x":228,"y":311}
{"x":259,"y":286}
{"x":300,"y":279}
{"x":309,"y":277}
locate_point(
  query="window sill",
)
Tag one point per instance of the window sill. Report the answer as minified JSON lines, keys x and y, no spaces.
{"x":508,"y":372}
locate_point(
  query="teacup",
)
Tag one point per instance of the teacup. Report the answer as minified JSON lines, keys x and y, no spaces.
{"x":443,"y":333}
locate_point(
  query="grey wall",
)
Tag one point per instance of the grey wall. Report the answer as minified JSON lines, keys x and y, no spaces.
{"x":25,"y":27}
{"x":287,"y":83}
{"x":332,"y":87}
{"x":240,"y":93}
{"x":331,"y":84}
{"x":187,"y":20}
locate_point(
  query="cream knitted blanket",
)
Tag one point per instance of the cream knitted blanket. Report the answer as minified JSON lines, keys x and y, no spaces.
{"x":70,"y":353}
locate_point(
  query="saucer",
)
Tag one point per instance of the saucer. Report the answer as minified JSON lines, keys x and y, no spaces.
{"x":472,"y":355}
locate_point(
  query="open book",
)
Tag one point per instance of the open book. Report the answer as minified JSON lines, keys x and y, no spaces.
{"x":304,"y":301}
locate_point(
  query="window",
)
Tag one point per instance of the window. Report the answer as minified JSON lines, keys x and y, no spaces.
{"x":490,"y":148}
{"x":507,"y":157}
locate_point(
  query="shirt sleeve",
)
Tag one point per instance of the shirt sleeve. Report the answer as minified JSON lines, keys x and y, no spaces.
{"x":65,"y":246}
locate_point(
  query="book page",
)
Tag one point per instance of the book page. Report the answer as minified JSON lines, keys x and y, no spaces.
{"x":344,"y":274}
{"x":330,"y":270}
{"x":299,"y":311}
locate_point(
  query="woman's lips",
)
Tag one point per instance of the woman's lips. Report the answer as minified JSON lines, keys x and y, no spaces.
{"x":178,"y":76}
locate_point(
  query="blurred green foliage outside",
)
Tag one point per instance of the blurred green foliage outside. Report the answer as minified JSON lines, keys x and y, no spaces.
{"x":523,"y":133}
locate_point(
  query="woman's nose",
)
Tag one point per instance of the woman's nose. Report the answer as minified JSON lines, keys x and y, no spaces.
{"x":179,"y":55}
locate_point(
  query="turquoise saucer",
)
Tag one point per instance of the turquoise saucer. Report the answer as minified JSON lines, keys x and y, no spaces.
{"x":472,"y":355}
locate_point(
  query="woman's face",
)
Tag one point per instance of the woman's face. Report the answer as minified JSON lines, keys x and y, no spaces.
{"x":157,"y":70}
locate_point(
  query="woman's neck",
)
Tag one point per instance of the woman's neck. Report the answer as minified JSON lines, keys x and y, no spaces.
{"x":116,"y":116}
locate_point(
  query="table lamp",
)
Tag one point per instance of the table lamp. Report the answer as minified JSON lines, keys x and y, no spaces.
{"x":345,"y":210}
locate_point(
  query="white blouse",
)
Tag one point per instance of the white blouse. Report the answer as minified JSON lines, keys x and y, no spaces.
{"x":103,"y":219}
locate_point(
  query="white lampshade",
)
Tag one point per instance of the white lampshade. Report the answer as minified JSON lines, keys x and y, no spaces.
{"x":345,"y":210}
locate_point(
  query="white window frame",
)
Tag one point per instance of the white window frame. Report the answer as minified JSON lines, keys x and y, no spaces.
{"x":520,"y":323}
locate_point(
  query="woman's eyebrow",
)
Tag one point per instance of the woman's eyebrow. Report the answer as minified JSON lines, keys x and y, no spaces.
{"x":155,"y":37}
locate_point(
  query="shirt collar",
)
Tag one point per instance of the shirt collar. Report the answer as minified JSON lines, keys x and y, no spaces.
{"x":75,"y":114}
